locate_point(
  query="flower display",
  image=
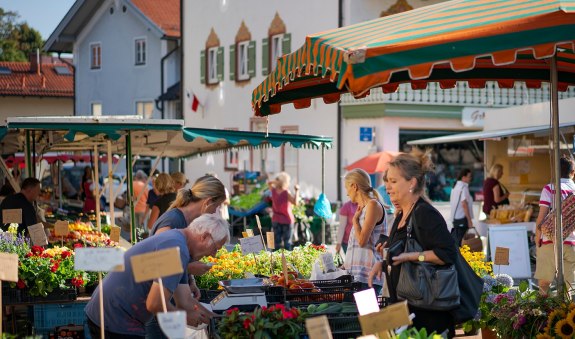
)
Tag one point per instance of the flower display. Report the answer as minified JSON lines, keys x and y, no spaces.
{"x":275,"y":321}
{"x":560,"y":323}
{"x":234,"y":265}
{"x":477,"y":261}
{"x":83,"y":233}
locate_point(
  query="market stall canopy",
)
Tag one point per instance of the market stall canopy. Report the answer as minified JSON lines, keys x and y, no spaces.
{"x":374,"y":163}
{"x":472,"y":40}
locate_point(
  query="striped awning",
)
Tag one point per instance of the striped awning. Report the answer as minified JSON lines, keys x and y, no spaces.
{"x":472,"y":40}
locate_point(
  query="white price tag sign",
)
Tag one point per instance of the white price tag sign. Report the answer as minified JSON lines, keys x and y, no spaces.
{"x":38,"y":235}
{"x":9,"y":267}
{"x":99,"y":259}
{"x":157,"y":264}
{"x":366,"y":301}
{"x":173,"y":324}
{"x":251,"y":245}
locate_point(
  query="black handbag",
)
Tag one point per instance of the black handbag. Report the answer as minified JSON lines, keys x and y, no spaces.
{"x":470,"y":289}
{"x":425,"y":285}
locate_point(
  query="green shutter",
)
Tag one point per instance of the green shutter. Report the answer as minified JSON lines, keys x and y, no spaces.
{"x":286,"y":43}
{"x":233,"y":62}
{"x":220,"y":57}
{"x":252,"y":59}
{"x":203,"y":66}
{"x":265,"y":56}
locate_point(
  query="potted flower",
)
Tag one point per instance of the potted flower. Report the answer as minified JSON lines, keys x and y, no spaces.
{"x":267,"y":322}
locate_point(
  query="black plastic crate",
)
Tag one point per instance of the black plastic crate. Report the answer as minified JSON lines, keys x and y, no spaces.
{"x":54,"y":296}
{"x":320,"y":294}
{"x":10,"y":295}
{"x":207,"y":295}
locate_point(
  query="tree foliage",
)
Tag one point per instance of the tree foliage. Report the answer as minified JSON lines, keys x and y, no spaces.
{"x":17,"y":39}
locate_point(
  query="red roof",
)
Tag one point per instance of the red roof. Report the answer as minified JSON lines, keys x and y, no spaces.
{"x":165,"y":14}
{"x":22,"y":81}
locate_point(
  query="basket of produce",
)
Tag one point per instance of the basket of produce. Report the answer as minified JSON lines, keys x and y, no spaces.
{"x":343,"y":318}
{"x":250,"y":285}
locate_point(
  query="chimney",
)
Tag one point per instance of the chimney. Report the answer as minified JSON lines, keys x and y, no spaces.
{"x":36,"y":62}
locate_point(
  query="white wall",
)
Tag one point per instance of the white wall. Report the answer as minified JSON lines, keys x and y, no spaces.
{"x":119,"y":83}
{"x":234,"y":111}
{"x":32,"y":106}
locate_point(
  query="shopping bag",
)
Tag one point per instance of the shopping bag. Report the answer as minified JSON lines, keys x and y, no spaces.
{"x":567,"y":216}
{"x":324,"y":268}
{"x":322,"y":207}
{"x":473,"y":240}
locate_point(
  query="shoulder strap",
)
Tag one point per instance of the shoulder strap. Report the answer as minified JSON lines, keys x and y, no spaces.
{"x":458,"y":200}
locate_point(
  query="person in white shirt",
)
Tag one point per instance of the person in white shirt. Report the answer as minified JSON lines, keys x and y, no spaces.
{"x":461,"y":204}
{"x":545,"y":264}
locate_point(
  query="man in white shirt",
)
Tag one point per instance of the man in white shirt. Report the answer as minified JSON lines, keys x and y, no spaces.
{"x":461,"y":204}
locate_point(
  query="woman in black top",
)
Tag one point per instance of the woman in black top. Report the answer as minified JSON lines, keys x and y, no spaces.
{"x":405,"y":185}
{"x":164,"y":186}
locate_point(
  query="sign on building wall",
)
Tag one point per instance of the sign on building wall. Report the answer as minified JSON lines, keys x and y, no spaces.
{"x":473,"y":116}
{"x":366,"y":134}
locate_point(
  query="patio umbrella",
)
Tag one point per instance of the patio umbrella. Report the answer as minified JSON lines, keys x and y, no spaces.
{"x":470,"y":40}
{"x":374,"y":163}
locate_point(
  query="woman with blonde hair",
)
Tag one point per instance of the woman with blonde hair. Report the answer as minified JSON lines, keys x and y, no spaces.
{"x":282,"y":203}
{"x":368,"y":224}
{"x":164,"y":186}
{"x":494,"y":193}
{"x":180,"y":180}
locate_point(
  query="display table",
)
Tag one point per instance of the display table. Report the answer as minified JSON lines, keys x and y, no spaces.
{"x":483,"y":227}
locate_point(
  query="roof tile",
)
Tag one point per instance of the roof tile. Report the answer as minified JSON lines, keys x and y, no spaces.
{"x":165,"y":14}
{"x":22,"y":81}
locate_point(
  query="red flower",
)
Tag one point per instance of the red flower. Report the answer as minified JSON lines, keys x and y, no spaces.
{"x":21,"y":284}
{"x":288,"y":315}
{"x":78,"y":281}
{"x":29,"y":254}
{"x":37,"y":249}
{"x":54,"y":267}
{"x":232,"y":310}
{"x":78,"y":244}
{"x":247,"y":323}
{"x":66,"y":254}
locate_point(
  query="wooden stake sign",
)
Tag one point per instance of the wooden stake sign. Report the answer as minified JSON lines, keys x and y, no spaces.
{"x":115,"y":233}
{"x":12,"y":215}
{"x":261,"y":234}
{"x":99,"y":259}
{"x":38,"y":235}
{"x":389,"y":318}
{"x":251,"y":245}
{"x":8,"y":272}
{"x":284,"y":267}
{"x":501,"y":256}
{"x":61,"y":228}
{"x":318,"y":328}
{"x":271,"y":240}
{"x":163,"y":263}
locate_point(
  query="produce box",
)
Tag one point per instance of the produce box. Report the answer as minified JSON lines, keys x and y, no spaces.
{"x":55,"y":319}
{"x":335,"y":290}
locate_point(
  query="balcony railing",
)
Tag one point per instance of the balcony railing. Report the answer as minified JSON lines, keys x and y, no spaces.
{"x":461,"y":95}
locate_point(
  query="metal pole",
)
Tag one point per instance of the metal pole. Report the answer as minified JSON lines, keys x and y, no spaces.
{"x":110,"y":181}
{"x":130,"y":188}
{"x":97,"y":188}
{"x":29,"y":173}
{"x":59,"y":165}
{"x":323,"y":189}
{"x":557,"y":199}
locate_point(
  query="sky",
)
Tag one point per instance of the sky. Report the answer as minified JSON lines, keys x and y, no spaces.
{"x":42,"y":15}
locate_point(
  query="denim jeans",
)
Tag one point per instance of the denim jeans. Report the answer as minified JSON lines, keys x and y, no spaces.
{"x":153,"y":330}
{"x":282,"y":232}
{"x":95,"y":333}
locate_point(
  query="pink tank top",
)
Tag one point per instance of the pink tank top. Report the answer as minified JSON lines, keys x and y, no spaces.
{"x":282,"y":207}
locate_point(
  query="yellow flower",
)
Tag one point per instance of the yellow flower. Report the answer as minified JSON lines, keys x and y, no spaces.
{"x":543,"y":336}
{"x":571,"y":318}
{"x":563,"y":329}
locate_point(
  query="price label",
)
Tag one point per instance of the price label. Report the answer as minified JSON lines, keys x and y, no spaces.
{"x":173,"y":324}
{"x":12,"y":215}
{"x":318,"y":328}
{"x":501,"y":256}
{"x":115,"y":233}
{"x":9,"y":267}
{"x":251,"y":245}
{"x":61,"y":228}
{"x":366,"y":301}
{"x":389,"y":318}
{"x":250,"y":232}
{"x":38,"y":235}
{"x":271,"y":240}
{"x":157,"y":264}
{"x":244,"y":234}
{"x":99,"y":259}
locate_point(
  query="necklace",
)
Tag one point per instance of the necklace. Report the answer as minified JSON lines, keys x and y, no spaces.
{"x":406,"y":215}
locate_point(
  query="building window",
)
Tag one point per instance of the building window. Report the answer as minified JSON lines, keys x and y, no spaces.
{"x":140,"y":51}
{"x":243,"y":73}
{"x":96,"y":109}
{"x":213,"y":65}
{"x":145,"y":109}
{"x":95,"y":56}
{"x":276,"y":49}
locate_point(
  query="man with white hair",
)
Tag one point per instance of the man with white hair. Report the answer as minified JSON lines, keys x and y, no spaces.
{"x":129,"y":305}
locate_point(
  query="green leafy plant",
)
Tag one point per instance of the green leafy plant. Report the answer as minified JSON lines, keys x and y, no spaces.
{"x":414,"y":333}
{"x":275,"y":321}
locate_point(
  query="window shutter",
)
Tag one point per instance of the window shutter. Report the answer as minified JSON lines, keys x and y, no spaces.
{"x":233,"y":62}
{"x":220,"y":58}
{"x":265,"y":56}
{"x":286,"y":43}
{"x":203,"y":66}
{"x":252,"y":59}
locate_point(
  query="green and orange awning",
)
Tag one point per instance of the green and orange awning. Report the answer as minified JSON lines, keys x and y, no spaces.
{"x":470,"y":40}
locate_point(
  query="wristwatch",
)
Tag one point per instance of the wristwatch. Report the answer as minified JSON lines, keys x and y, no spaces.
{"x":421,"y":257}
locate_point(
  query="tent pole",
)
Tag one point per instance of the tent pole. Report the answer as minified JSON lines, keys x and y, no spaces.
{"x":29,"y":173}
{"x":97,"y":188}
{"x":557,"y":173}
{"x":130,"y":188}
{"x":110,"y":180}
{"x":323,"y":189}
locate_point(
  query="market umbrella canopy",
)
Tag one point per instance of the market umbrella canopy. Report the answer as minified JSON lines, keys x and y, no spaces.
{"x":473,"y":40}
{"x":374,"y":163}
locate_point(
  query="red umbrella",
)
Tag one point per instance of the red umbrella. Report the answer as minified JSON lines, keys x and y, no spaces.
{"x":374,"y":163}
